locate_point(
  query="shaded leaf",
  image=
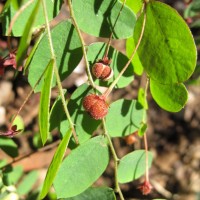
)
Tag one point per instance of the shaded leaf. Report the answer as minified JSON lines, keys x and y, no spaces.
{"x":98,"y":17}
{"x":169,"y":97}
{"x":134,"y":166}
{"x":167,"y":51}
{"x":68,"y":52}
{"x":55,"y":164}
{"x":45,"y":103}
{"x":124,"y":117}
{"x":84,"y":165}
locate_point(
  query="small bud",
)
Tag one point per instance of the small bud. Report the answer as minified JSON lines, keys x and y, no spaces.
{"x":102,"y":71}
{"x":145,"y":188}
{"x":11,"y":132}
{"x":96,"y":106}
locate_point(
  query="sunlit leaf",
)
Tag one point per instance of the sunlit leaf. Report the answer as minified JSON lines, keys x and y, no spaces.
{"x":82,"y":167}
{"x":45,"y":103}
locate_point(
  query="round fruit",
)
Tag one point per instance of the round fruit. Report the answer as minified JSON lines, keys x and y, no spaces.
{"x":96,"y":106}
{"x":102,"y":71}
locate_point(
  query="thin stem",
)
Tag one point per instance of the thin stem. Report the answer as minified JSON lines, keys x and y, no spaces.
{"x":82,"y":43}
{"x":57,"y":73}
{"x":27,"y":97}
{"x":110,"y":38}
{"x":146,"y":158}
{"x":116,"y":160}
{"x":45,"y":148}
{"x":108,"y":91}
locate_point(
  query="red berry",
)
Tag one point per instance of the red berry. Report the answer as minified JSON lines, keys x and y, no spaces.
{"x":102,"y":71}
{"x":96,"y":106}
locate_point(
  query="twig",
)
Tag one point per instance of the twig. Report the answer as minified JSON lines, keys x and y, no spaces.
{"x":27,"y":97}
{"x":110,"y":38}
{"x":82,"y":43}
{"x":46,"y":148}
{"x":108,"y":91}
{"x":57,"y":73}
{"x":116,"y":160}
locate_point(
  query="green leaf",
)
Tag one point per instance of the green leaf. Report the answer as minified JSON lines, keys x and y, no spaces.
{"x":55,"y":164}
{"x":142,"y":98}
{"x":82,"y":167}
{"x":167,"y":51}
{"x":45,"y":103}
{"x":53,"y":8}
{"x":130,"y":46}
{"x":26,"y":185}
{"x":97,"y":193}
{"x":12,"y":175}
{"x":124,"y":118}
{"x":68,"y":52}
{"x":26,"y":37}
{"x":98,"y":17}
{"x":135,"y":6}
{"x":132,"y":166}
{"x":96,"y":51}
{"x":142,"y":129}
{"x":19,"y":122}
{"x":9,"y":146}
{"x":169,"y":97}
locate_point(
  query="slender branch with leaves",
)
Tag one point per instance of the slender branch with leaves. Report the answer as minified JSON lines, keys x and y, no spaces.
{"x":86,"y":121}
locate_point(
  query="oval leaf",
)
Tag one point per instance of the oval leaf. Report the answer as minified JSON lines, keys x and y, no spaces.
{"x":55,"y":164}
{"x":68,"y":53}
{"x":45,"y":103}
{"x":98,"y":17}
{"x":96,"y":51}
{"x":134,"y":166}
{"x":124,"y":118}
{"x":53,"y":7}
{"x":82,"y":168}
{"x":167,"y":50}
{"x":98,"y":193}
{"x":169,"y":97}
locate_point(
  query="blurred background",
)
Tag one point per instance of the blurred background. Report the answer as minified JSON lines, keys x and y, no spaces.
{"x":173,"y":138}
